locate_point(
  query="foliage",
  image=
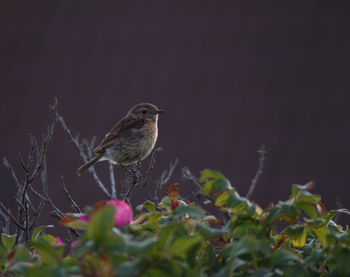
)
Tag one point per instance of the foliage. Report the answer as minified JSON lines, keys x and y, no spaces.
{"x":296,"y":237}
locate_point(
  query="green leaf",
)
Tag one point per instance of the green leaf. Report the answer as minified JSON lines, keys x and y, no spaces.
{"x":48,"y":254}
{"x":297,"y":188}
{"x":308,"y":209}
{"x":148,"y":205}
{"x":180,"y":246}
{"x":138,"y":247}
{"x":210,"y":174}
{"x":191,"y":211}
{"x":220,"y":185}
{"x":332,"y":213}
{"x":38,"y":230}
{"x":223,"y":198}
{"x":245,"y":245}
{"x":282,"y":257}
{"x":297,"y":234}
{"x":8,"y":241}
{"x":321,"y":234}
{"x":101,"y":224}
{"x":207,"y":187}
{"x":209,"y":232}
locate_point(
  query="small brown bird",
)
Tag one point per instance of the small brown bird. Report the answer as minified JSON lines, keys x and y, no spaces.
{"x":130,"y":140}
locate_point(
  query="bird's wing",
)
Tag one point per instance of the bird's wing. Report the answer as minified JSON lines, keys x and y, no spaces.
{"x":123,"y":127}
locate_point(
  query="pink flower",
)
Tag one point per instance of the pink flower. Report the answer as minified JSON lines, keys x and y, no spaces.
{"x":58,"y":241}
{"x":123,"y":212}
{"x":84,"y":218}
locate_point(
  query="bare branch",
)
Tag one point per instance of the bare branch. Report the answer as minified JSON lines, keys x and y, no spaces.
{"x":6,"y":227}
{"x":79,"y":146}
{"x":128,"y":187}
{"x":164,"y":178}
{"x":14,"y":220}
{"x":259,"y":171}
{"x":74,"y":205}
{"x":151,"y":165}
{"x":112,"y":179}
{"x":10,"y":168}
{"x":187,"y":174}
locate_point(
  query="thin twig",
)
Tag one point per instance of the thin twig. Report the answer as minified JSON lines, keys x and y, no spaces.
{"x":187,"y":174}
{"x":74,"y":205}
{"x":164,"y":178}
{"x":259,"y":171}
{"x":78,"y":146}
{"x":5,"y":229}
{"x":10,"y":168}
{"x":14,"y":220}
{"x":151,"y":165}
{"x":112,"y":179}
{"x":130,"y":186}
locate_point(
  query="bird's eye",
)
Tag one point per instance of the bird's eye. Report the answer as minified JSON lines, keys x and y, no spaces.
{"x":144,"y":111}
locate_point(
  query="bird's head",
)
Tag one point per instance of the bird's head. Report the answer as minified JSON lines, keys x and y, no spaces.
{"x":145,"y":111}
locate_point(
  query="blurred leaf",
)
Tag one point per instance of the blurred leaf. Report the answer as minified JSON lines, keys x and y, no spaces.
{"x":223,"y":198}
{"x":38,"y":230}
{"x":298,"y":188}
{"x":210,"y":174}
{"x":332,"y":213}
{"x":247,"y":244}
{"x":138,"y":247}
{"x":173,"y":190}
{"x":148,"y":205}
{"x":191,"y":211}
{"x":221,"y":185}
{"x":210,"y":232}
{"x":49,"y":238}
{"x":48,"y":254}
{"x":297,"y":234}
{"x":262,"y":272}
{"x":8,"y":241}
{"x":180,"y":246}
{"x":308,"y":209}
{"x":74,"y":223}
{"x":342,"y":264}
{"x":101,"y":224}
{"x":321,"y":234}
{"x":207,"y":187}
{"x":281,"y":257}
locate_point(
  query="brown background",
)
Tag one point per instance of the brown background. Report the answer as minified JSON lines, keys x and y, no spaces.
{"x":231,"y":75}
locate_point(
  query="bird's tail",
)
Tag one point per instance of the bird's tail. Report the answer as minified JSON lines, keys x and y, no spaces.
{"x":88,"y":164}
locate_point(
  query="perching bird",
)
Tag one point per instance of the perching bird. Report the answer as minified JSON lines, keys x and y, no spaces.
{"x":130,"y":140}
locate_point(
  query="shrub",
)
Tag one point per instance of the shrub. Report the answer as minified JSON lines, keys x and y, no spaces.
{"x":177,"y":238}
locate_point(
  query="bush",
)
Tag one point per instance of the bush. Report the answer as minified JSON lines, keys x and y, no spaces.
{"x":177,"y":238}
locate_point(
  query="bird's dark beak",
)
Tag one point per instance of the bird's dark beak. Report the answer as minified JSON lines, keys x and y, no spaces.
{"x":160,"y":111}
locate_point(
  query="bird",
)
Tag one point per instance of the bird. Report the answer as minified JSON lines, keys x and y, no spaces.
{"x":131,"y":140}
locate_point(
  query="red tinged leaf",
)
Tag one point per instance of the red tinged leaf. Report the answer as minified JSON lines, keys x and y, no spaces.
{"x":67,"y":220}
{"x":11,"y":255}
{"x":174,"y":204}
{"x":99,"y":205}
{"x":323,"y":208}
{"x":280,"y":242}
{"x":215,"y":221}
{"x":215,"y":239}
{"x":173,"y":190}
{"x":270,"y":205}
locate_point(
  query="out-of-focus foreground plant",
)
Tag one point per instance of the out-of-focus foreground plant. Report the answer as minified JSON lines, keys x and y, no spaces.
{"x":178,"y":238}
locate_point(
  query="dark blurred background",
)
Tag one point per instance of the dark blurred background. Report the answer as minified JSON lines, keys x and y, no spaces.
{"x":230,"y":74}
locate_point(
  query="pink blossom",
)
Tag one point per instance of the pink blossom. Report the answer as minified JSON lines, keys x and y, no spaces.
{"x":84,"y":218}
{"x":58,"y":241}
{"x":123,"y":212}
